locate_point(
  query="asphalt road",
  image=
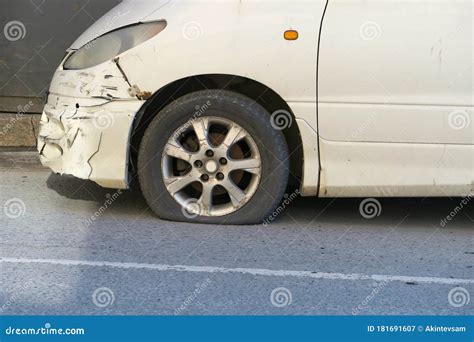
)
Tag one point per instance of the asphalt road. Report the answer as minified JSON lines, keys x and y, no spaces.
{"x":319,"y":257}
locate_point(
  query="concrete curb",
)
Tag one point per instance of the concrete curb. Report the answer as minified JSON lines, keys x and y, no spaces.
{"x":18,"y":130}
{"x":24,"y":160}
{"x":19,"y":121}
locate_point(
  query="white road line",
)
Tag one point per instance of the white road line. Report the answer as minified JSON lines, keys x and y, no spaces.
{"x":248,"y":271}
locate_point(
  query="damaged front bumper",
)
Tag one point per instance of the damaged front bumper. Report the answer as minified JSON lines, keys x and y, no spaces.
{"x":86,"y":125}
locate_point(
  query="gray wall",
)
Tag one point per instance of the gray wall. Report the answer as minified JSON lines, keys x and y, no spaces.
{"x":27,"y":64}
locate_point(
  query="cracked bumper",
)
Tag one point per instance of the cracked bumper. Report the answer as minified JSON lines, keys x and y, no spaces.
{"x":88,"y":138}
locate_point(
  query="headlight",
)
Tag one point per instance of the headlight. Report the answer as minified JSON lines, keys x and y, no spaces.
{"x":112,"y":44}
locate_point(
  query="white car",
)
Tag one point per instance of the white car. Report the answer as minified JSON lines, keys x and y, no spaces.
{"x":215,"y":105}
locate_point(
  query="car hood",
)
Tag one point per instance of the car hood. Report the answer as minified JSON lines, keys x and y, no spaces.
{"x":126,"y":13}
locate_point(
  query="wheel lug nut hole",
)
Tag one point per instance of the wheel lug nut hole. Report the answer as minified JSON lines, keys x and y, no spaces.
{"x":204,"y":178}
{"x":198,"y":163}
{"x":209,"y":153}
{"x":223,"y":161}
{"x":220,"y":176}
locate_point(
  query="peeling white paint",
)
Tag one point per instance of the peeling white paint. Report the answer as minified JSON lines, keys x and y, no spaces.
{"x":88,"y":142}
{"x":104,"y":81}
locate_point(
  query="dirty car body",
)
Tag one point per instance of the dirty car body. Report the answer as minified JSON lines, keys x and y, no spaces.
{"x":353,"y":105}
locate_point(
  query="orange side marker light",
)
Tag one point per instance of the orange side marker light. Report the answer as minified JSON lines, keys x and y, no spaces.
{"x":291,"y":35}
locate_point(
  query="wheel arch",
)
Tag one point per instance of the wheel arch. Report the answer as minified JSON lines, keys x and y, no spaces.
{"x":265,"y":96}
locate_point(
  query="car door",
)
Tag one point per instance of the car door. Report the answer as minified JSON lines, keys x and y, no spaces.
{"x":391,"y":74}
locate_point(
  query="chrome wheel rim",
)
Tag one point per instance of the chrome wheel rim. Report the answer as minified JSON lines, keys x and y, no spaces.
{"x":211,"y":166}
